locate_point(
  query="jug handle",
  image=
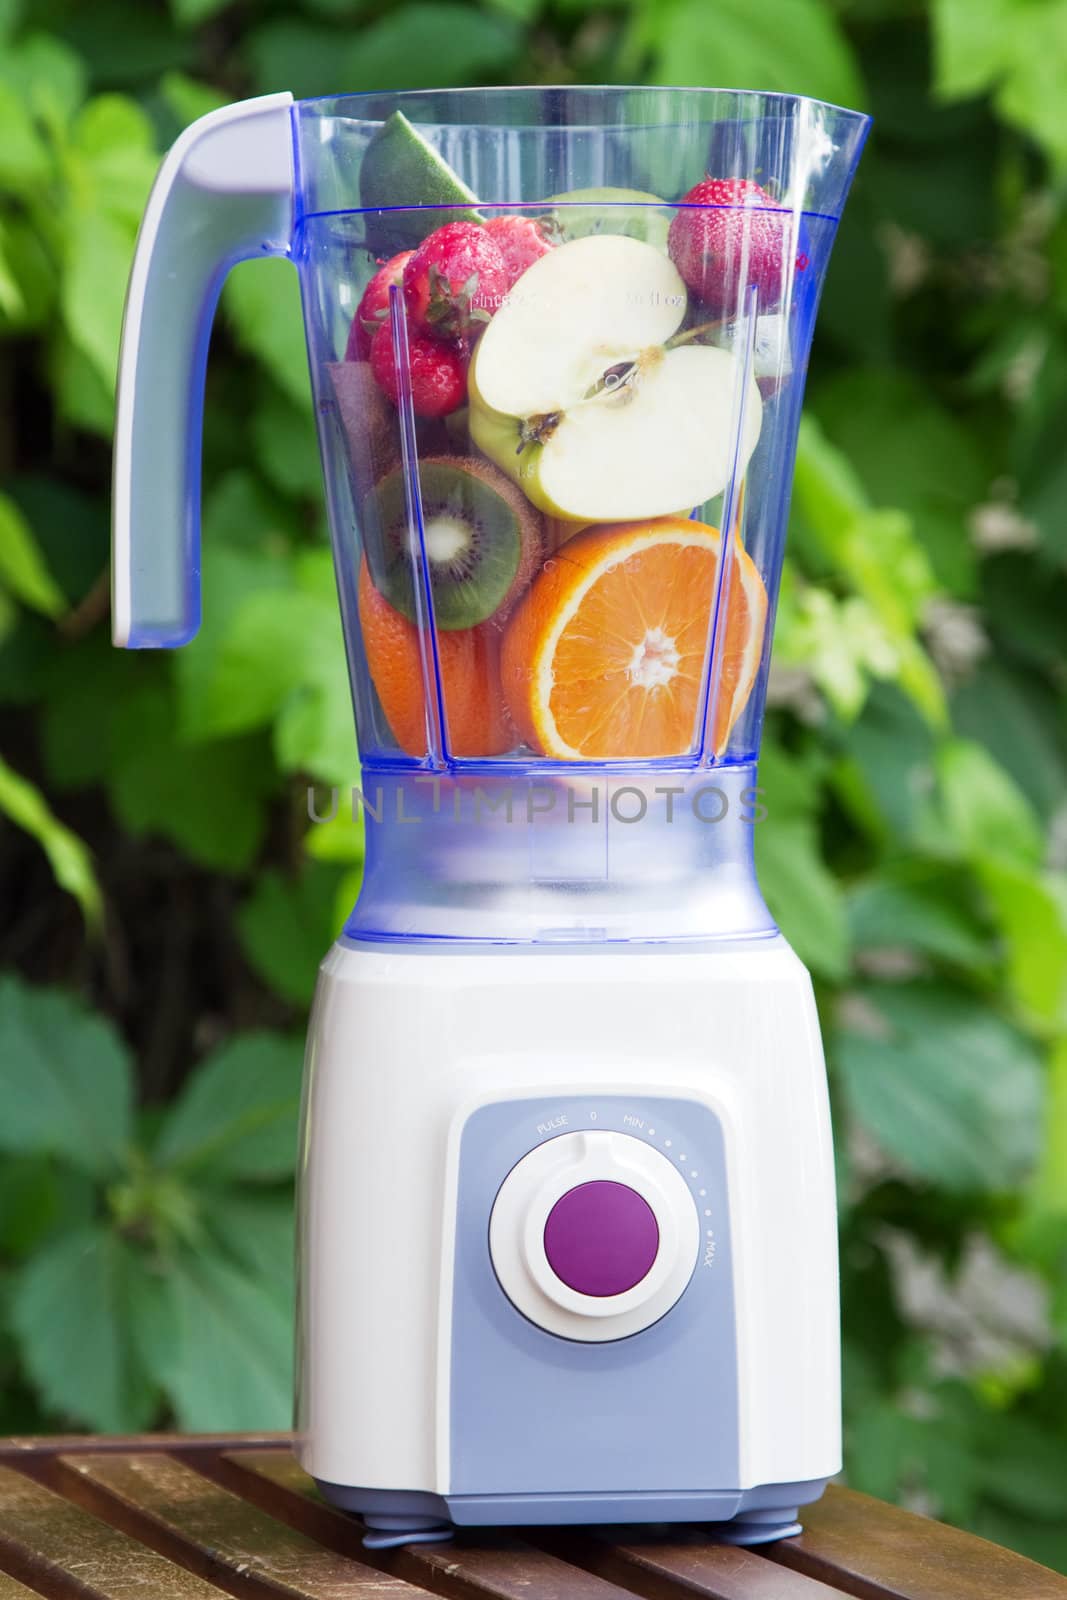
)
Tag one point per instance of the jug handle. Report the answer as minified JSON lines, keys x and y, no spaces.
{"x":224,"y":193}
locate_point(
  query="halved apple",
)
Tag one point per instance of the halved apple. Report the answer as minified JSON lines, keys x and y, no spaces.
{"x":577,"y":394}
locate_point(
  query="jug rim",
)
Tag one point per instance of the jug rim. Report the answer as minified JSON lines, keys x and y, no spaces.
{"x":395,"y":98}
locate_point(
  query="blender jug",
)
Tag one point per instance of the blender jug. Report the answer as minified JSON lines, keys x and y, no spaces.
{"x":565,"y":1111}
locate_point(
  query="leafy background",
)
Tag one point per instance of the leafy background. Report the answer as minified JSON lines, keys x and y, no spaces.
{"x":165,"y":904}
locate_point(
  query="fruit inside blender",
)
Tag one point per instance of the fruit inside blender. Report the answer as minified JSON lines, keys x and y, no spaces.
{"x":582,"y":386}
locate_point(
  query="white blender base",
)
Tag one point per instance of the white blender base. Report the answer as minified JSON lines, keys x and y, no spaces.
{"x":423,"y":1393}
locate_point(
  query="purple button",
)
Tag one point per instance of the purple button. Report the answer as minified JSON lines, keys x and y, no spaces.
{"x":601,"y":1238}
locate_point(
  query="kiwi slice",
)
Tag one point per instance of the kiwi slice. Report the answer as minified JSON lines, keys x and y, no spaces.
{"x":483,"y":540}
{"x":400,"y":168}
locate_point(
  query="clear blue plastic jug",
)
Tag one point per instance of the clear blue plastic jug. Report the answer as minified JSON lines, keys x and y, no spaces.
{"x":557,"y":438}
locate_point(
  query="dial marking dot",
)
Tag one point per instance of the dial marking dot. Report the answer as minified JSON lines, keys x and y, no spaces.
{"x":667,"y":1142}
{"x":703,"y":1192}
{"x":707,"y":1213}
{"x":694,"y":1174}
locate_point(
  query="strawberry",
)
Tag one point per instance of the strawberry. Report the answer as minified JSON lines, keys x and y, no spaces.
{"x":455,"y":280}
{"x":438,"y":371}
{"x":374,"y":307}
{"x":747,"y":232}
{"x":520,"y":241}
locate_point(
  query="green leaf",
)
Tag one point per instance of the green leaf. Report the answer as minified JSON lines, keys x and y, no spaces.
{"x":257,"y":1230}
{"x":236,"y":1115}
{"x":68,"y":856}
{"x":1017,"y":719}
{"x":912,"y":454}
{"x":800,"y":890}
{"x":286,"y":927}
{"x":984,"y":809}
{"x":1031,"y":911}
{"x":230,"y":577}
{"x":928,"y":916}
{"x":31,"y":275}
{"x":226,"y":1354}
{"x":24,"y":161}
{"x":425,"y":46}
{"x":115,"y":140}
{"x":188,"y":98}
{"x":885,"y":779}
{"x":84,"y":397}
{"x":948,"y":1088}
{"x":99,"y":252}
{"x":258,"y":661}
{"x":75,"y":737}
{"x":208,"y":798}
{"x":243,"y":513}
{"x":1014,"y":49}
{"x":70,"y":1313}
{"x":841,"y":643}
{"x":23,"y":569}
{"x":802,"y":894}
{"x":191,"y":13}
{"x":284,"y":438}
{"x":421,"y":46}
{"x":65,"y":1081}
{"x":1048,"y":1192}
{"x":314,"y":732}
{"x":261,"y":301}
{"x":48,"y":74}
{"x":1025,"y":1467}
{"x":280,"y":659}
{"x":40,"y":1197}
{"x":878,"y":553}
{"x":793,"y":46}
{"x":342,"y":837}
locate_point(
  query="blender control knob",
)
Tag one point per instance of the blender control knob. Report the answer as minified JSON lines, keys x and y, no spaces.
{"x":594,"y":1235}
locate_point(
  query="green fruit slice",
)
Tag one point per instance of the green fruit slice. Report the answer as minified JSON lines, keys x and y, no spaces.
{"x":483,"y":540}
{"x":585,"y":211}
{"x":399,"y":168}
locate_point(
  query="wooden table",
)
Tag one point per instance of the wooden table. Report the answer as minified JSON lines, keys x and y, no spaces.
{"x":164,"y":1518}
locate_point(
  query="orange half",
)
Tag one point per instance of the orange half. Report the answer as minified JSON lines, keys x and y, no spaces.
{"x":605,"y":656}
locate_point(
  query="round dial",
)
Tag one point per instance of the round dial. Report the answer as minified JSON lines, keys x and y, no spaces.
{"x":594,"y":1235}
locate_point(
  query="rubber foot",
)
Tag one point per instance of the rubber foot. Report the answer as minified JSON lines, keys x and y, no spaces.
{"x":387,"y":1533}
{"x":750,"y":1532}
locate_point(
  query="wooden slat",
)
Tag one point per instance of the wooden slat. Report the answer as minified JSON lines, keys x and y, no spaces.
{"x":218,"y":1528}
{"x":667,"y":1566}
{"x":12,"y":1589}
{"x":879,"y":1552}
{"x":18,"y":1447}
{"x":63,"y":1551}
{"x":477,"y":1566}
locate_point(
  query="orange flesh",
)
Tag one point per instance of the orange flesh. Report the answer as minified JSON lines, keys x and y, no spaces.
{"x":627,"y":673}
{"x":605,"y":657}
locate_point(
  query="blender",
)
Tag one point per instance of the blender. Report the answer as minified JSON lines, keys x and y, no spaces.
{"x":567,"y":1243}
